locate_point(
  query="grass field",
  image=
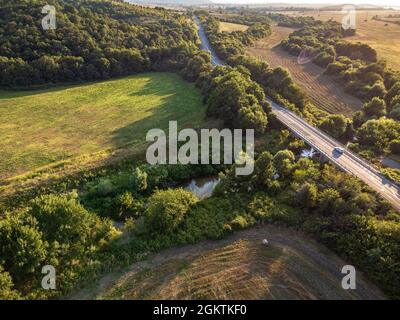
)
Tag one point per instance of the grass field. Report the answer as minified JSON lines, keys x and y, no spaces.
{"x":322,"y":89}
{"x":239,"y":267}
{"x":230,"y":27}
{"x":46,"y":126}
{"x":383,"y":37}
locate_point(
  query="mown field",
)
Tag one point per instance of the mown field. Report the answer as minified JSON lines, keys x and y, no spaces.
{"x":43,"y":127}
{"x":322,"y":89}
{"x":382,"y":36}
{"x":239,"y":267}
{"x":230,"y":27}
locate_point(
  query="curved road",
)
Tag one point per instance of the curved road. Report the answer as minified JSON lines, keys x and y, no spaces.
{"x":349,"y":161}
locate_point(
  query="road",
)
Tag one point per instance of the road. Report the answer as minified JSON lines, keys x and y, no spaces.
{"x":349,"y":161}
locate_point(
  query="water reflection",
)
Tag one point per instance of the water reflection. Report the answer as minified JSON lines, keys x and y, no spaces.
{"x":308,"y":153}
{"x":202,"y":187}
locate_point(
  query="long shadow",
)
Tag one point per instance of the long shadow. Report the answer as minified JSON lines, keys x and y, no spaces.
{"x":6,"y":93}
{"x":173,"y":107}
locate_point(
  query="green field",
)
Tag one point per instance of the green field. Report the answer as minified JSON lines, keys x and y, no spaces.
{"x":42,"y":127}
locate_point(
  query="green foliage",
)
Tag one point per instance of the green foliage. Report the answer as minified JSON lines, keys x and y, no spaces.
{"x":7,"y":291}
{"x":392,"y":174}
{"x":335,"y":125}
{"x":231,"y":95}
{"x":307,"y":196}
{"x":227,"y":45}
{"x":378,"y":134}
{"x":240,"y":222}
{"x":166,"y":209}
{"x":128,"y":206}
{"x":54,"y":230}
{"x":264,"y":170}
{"x":375,"y":108}
{"x":275,"y":81}
{"x":105,"y":39}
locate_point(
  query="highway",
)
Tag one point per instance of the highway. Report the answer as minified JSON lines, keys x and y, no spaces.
{"x":348,"y":161}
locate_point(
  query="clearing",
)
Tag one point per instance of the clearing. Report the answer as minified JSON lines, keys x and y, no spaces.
{"x":322,"y":89}
{"x":238,"y":267}
{"x":49,"y":126}
{"x":231,"y":27}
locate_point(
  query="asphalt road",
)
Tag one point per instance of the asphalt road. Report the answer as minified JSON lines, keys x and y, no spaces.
{"x":348,"y":161}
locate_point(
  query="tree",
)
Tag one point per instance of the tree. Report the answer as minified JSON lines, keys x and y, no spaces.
{"x":22,"y":249}
{"x":335,"y":125}
{"x":264,"y":170}
{"x":307,"y":195}
{"x":166,"y":210}
{"x":378,"y":134}
{"x":375,"y":108}
{"x":128,"y":206}
{"x":330,"y":202}
{"x":358,"y":119}
{"x":283,"y":162}
{"x":395,"y":113}
{"x":395,"y":147}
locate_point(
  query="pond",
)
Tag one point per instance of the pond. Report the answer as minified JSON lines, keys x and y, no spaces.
{"x":202,"y":187}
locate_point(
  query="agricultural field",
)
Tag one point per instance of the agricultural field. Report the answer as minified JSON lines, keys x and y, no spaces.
{"x":45,"y":126}
{"x":231,"y":27}
{"x":370,"y":31}
{"x":239,"y":267}
{"x":322,"y":89}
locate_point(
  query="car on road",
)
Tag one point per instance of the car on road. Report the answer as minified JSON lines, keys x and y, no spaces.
{"x":339,"y":150}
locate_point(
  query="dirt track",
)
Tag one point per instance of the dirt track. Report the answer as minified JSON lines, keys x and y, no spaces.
{"x":238,"y":267}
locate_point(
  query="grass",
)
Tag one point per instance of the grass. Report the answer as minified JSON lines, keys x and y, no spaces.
{"x":231,"y":27}
{"x":47,"y":126}
{"x":383,"y":37}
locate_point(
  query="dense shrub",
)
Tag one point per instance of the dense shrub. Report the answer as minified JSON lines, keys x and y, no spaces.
{"x":54,"y":230}
{"x":166,"y":210}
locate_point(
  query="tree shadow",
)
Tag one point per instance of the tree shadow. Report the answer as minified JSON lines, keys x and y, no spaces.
{"x":172,"y":107}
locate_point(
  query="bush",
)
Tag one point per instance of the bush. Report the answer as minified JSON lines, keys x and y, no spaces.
{"x":375,"y":108}
{"x":128,"y":206}
{"x":239,"y":222}
{"x":7,"y":291}
{"x":166,"y":210}
{"x":335,"y":125}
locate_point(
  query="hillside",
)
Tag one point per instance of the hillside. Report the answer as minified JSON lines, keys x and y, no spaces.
{"x":239,"y":267}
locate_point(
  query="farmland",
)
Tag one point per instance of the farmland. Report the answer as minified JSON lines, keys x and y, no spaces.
{"x":322,"y":89}
{"x":70,"y":121}
{"x":239,"y":267}
{"x":370,"y":31}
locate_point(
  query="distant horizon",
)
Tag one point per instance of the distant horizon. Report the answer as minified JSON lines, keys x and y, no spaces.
{"x":380,"y":3}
